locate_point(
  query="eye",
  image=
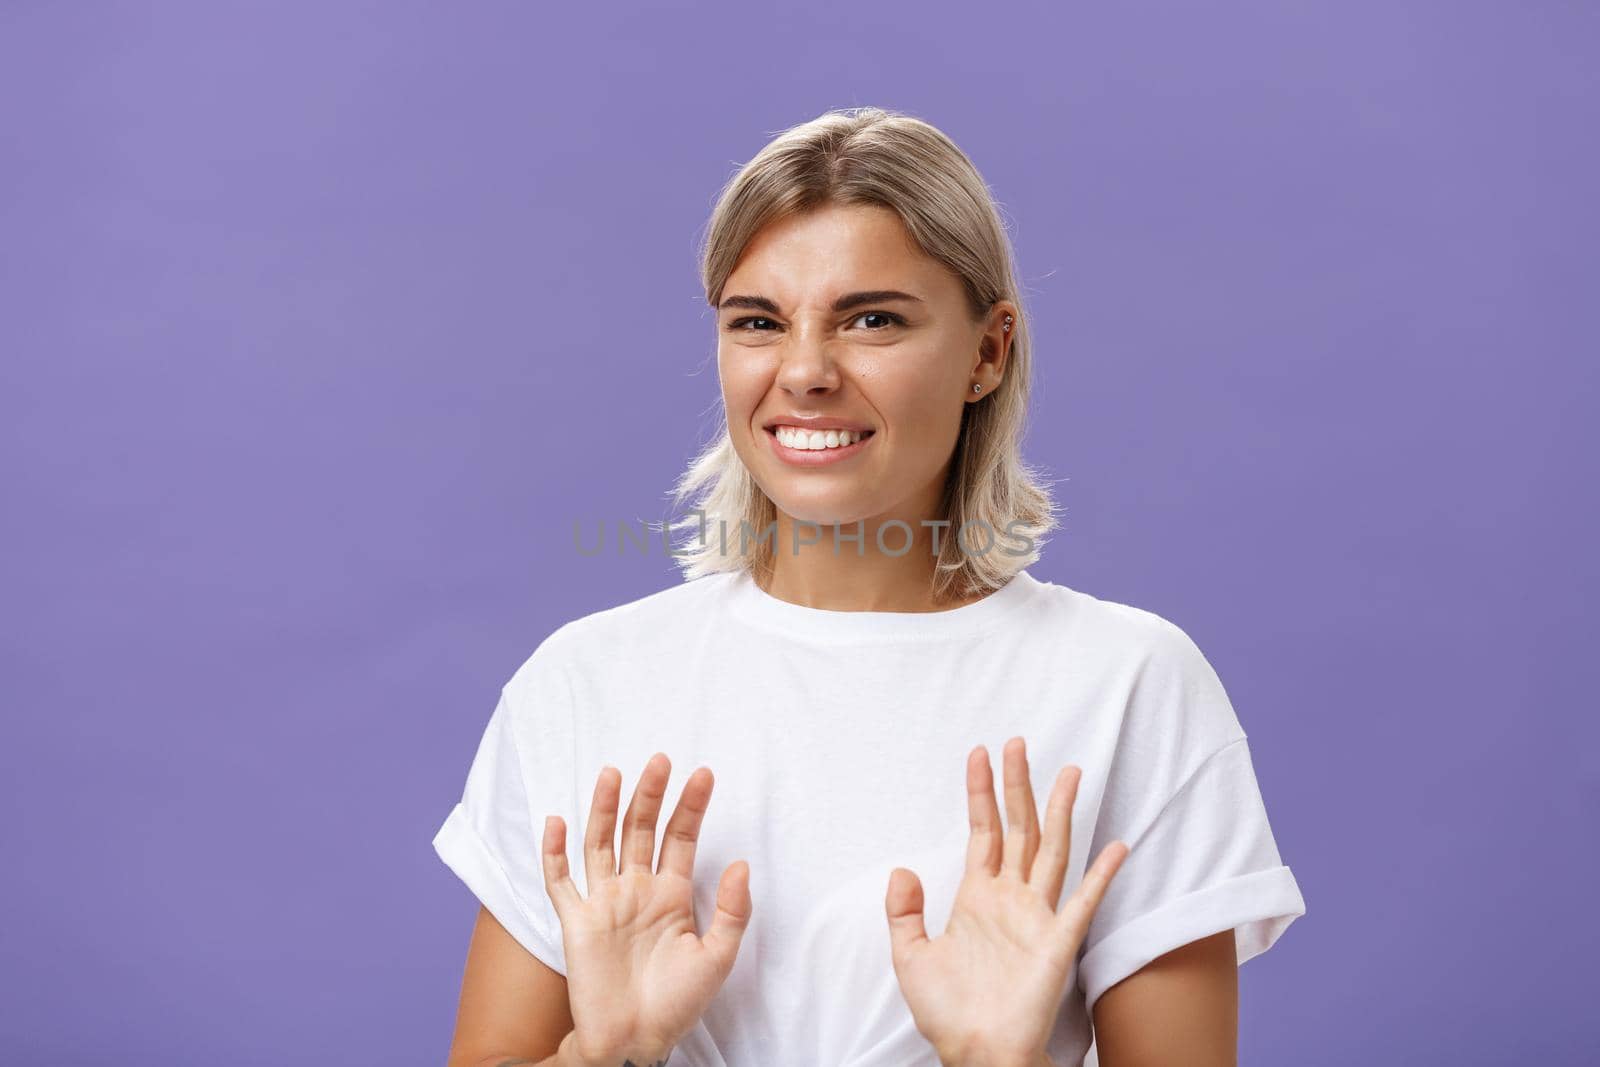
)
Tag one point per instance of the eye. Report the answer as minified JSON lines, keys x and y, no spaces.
{"x":894,"y":320}
{"x":739,"y":324}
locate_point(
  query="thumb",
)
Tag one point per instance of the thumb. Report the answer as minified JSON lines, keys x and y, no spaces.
{"x":904,"y":907}
{"x":732,"y":917}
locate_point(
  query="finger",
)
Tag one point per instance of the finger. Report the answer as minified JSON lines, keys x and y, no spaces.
{"x":1055,"y":847}
{"x":983,"y":816}
{"x":599,"y":838}
{"x":732,"y":918}
{"x":1022,"y":817}
{"x":683,"y":829}
{"x":903,"y":904}
{"x":553,"y":858}
{"x":639,"y":824}
{"x":1076,"y":914}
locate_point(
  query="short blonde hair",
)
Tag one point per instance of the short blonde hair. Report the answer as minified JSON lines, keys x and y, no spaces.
{"x":876,"y":156}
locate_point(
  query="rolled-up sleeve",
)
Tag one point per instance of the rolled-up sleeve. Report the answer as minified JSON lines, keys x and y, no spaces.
{"x":1207,"y":864}
{"x":1202,"y":857}
{"x":493,"y":837}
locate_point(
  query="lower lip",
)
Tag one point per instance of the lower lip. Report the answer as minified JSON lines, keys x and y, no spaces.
{"x":816,"y":457}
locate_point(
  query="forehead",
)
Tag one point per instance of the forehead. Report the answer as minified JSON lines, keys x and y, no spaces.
{"x":833,"y":250}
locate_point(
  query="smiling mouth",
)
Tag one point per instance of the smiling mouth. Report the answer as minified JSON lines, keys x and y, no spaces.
{"x":800,"y":448}
{"x":797,"y":439}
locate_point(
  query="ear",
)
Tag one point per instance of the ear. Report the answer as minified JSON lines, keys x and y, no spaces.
{"x":994,"y":348}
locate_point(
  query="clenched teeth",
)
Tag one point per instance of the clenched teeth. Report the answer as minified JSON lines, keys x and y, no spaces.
{"x":793,"y":437}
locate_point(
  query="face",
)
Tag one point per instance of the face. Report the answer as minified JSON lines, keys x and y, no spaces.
{"x":810,"y":328}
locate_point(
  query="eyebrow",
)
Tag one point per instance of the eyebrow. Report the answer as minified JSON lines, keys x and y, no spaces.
{"x":844,"y":303}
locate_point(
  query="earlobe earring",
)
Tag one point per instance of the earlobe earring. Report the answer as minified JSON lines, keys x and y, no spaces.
{"x":976,"y":388}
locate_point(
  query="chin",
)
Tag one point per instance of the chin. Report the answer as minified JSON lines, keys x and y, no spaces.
{"x":823,"y":512}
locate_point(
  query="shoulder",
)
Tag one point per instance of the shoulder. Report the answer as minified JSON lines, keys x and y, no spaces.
{"x":1148,"y":671}
{"x":648,"y":625}
{"x":1118,"y":634}
{"x":637,"y":622}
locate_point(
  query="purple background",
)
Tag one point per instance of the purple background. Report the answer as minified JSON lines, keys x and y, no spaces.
{"x":323,"y":322}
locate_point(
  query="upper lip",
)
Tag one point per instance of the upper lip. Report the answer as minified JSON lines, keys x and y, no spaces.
{"x":815,"y":422}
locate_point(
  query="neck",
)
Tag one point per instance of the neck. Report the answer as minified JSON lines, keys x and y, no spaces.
{"x":838,"y":572}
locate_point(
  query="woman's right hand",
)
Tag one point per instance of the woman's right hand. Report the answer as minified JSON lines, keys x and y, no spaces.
{"x":638,"y":976}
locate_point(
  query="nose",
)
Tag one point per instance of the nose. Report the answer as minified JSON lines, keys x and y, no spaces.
{"x":807,"y":367}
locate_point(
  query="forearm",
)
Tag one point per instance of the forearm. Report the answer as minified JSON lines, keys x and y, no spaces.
{"x":983,"y":1059}
{"x":565,"y":1055}
{"x":561,"y":1057}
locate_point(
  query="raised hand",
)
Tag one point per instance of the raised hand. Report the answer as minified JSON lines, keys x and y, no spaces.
{"x":638,"y":975}
{"x":986,"y":991}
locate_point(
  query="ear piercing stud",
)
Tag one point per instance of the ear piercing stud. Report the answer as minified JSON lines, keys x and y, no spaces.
{"x":976,"y":388}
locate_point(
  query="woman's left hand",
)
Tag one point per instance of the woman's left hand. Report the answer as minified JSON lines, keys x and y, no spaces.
{"x":986,"y":991}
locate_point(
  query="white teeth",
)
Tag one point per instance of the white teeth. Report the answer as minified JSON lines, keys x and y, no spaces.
{"x":816,"y":440}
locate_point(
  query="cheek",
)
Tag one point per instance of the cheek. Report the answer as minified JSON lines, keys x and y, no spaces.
{"x":742,"y":384}
{"x":919,"y":405}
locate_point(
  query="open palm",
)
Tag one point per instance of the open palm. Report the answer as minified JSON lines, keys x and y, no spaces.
{"x":987,"y":990}
{"x":638,"y":974}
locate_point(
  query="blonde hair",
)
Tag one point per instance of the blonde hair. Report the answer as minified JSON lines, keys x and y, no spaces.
{"x":880,"y":157}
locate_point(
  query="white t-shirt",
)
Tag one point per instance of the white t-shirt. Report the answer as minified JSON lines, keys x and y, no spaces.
{"x":838,"y":741}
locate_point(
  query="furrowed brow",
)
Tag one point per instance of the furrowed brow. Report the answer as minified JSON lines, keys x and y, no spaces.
{"x":844,"y":303}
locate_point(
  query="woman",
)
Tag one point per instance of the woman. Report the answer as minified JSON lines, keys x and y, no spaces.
{"x":859,"y":626}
